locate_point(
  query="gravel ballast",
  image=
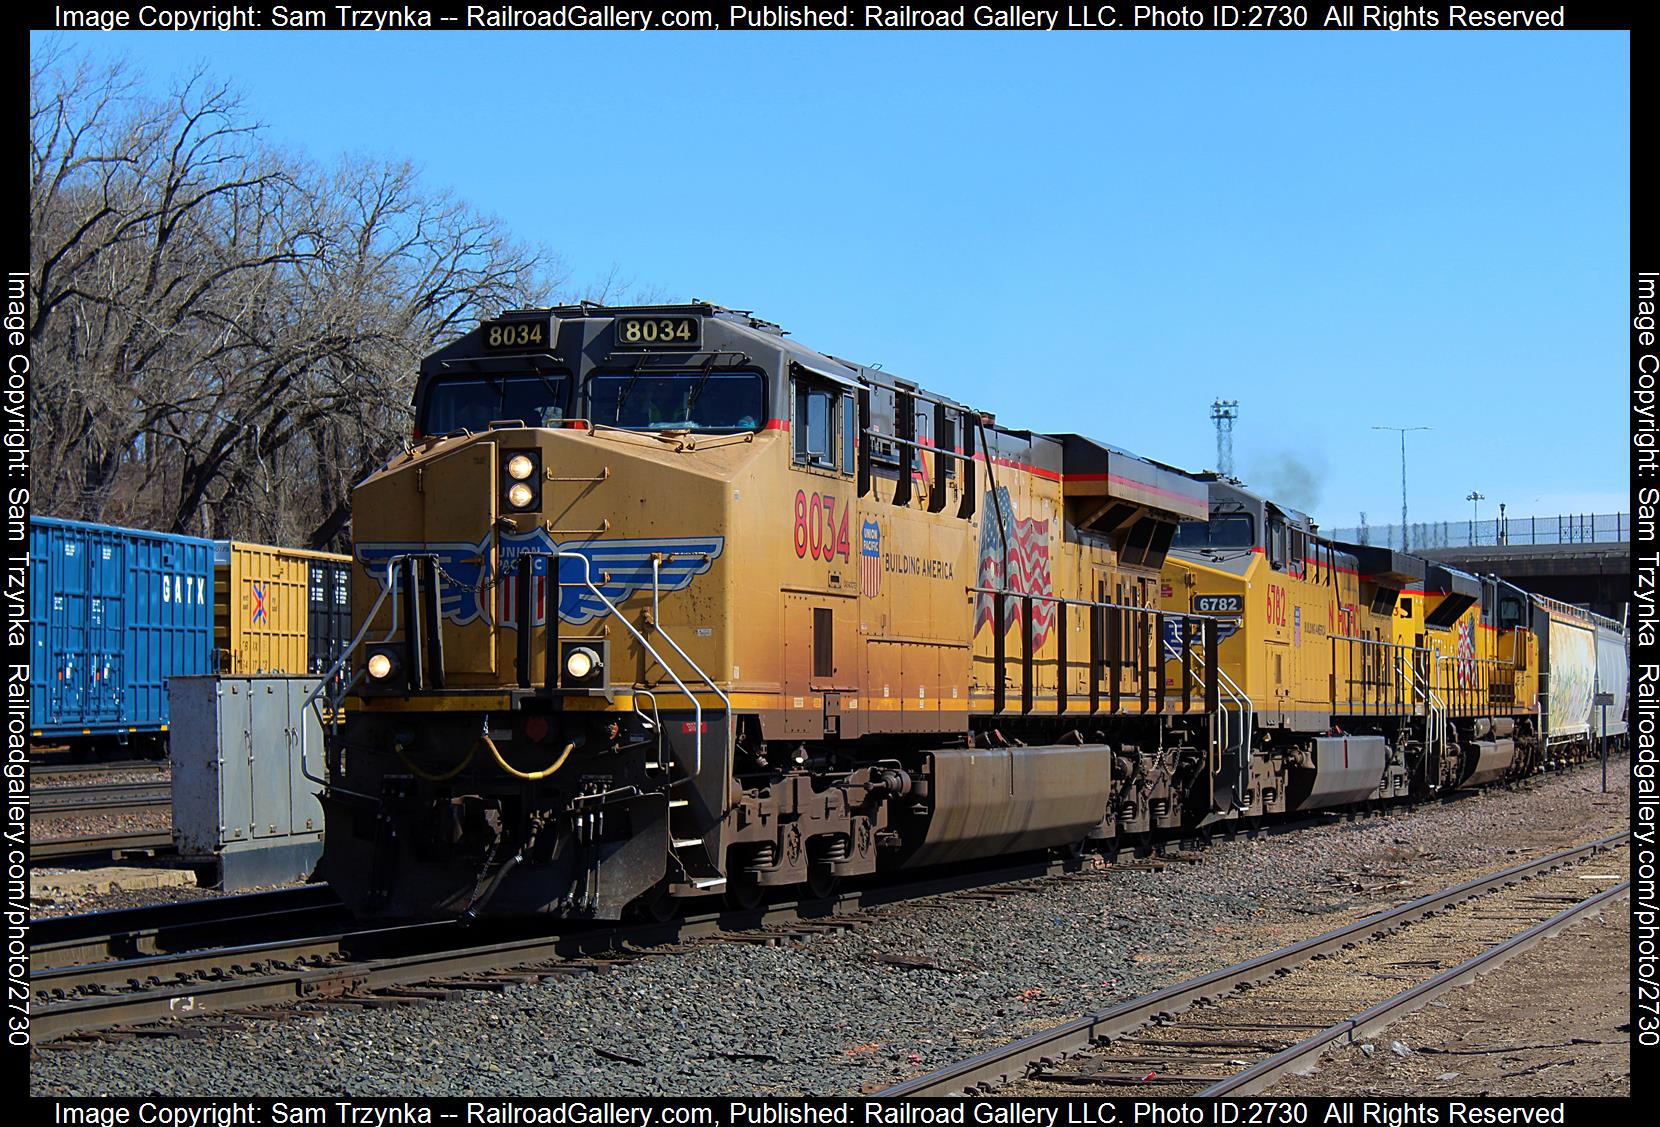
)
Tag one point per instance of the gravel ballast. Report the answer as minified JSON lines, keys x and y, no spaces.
{"x":831,"y":1016}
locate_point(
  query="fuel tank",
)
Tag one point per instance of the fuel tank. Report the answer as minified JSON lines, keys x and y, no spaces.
{"x":993,"y":801}
{"x":1346,"y":769}
{"x":1487,"y":761}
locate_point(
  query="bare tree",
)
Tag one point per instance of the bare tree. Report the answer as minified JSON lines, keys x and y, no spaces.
{"x":225,"y":335}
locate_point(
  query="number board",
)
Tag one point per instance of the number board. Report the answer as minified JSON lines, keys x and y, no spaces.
{"x":1219,"y":604}
{"x":659,"y":332}
{"x":516,"y":336}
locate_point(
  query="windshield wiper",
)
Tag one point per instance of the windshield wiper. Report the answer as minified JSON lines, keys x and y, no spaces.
{"x":691,"y":402}
{"x":623,"y":394}
{"x":556,"y":399}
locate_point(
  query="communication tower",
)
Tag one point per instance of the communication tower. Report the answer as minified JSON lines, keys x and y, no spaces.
{"x":1223,"y":412}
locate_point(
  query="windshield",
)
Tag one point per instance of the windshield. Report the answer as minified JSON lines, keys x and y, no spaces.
{"x":679,"y":401}
{"x":474,"y":402}
{"x":1223,"y":530}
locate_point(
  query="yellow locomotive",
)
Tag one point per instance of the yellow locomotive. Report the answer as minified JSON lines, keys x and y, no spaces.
{"x":1356,"y":673}
{"x":662,"y":604}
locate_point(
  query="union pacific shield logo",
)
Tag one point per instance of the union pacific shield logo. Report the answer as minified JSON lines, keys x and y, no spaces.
{"x":870,"y":558}
{"x":618,"y":569}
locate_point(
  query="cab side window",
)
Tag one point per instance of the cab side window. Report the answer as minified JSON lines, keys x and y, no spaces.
{"x":1296,"y":561}
{"x":824,"y":426}
{"x":1276,"y":544}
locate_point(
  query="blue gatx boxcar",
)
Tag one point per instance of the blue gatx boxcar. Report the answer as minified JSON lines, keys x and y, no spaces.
{"x":114,"y":612}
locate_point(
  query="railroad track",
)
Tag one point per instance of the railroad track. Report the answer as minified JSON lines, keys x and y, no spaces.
{"x":99,"y":846}
{"x":160,"y":929}
{"x":55,"y":773}
{"x":101,"y":798}
{"x":1239,"y":1029}
{"x":410,"y":963}
{"x":131,"y":973}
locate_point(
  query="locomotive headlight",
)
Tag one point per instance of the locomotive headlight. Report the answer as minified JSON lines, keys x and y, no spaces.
{"x":521,"y":486}
{"x":383,"y":668}
{"x":580,"y":663}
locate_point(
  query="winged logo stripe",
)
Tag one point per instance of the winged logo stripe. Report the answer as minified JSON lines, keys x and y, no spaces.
{"x":618,"y":568}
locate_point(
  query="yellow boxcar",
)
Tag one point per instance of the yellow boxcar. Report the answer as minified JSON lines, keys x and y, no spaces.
{"x":262,"y":612}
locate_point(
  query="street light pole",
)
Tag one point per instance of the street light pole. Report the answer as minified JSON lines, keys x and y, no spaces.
{"x":1475,"y":498}
{"x":1405,"y":546}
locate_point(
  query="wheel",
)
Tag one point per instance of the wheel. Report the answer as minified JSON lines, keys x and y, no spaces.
{"x":655,"y":905}
{"x":743,"y":891}
{"x":821,"y":879}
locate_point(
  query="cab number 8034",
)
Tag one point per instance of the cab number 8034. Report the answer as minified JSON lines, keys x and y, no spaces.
{"x":639,"y":331}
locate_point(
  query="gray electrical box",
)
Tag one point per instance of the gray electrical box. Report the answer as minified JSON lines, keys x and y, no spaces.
{"x":240,"y":802}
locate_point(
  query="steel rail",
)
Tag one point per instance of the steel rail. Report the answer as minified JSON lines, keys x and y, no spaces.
{"x":65,"y":797}
{"x":1010,"y":1062}
{"x":67,"y":941}
{"x":101,"y":798}
{"x":120,"y":806}
{"x":94,"y":810}
{"x":99,"y":845}
{"x":47,"y":772}
{"x":1303,"y":1055}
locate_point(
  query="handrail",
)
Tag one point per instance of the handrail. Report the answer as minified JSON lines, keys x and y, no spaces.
{"x":1481,"y":694}
{"x":657,"y":619}
{"x":328,"y":677}
{"x":1245,"y":710}
{"x":1010,"y":592}
{"x":1435,"y":721}
{"x":1373,"y":642}
{"x":697,"y":706}
{"x":1147,"y":660}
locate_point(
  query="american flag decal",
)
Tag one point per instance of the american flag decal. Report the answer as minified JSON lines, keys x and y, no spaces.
{"x":1029,"y":574}
{"x":870,"y":558}
{"x":1467,"y":652}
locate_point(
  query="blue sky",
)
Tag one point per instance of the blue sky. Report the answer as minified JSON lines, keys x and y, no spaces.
{"x":1085,"y":231}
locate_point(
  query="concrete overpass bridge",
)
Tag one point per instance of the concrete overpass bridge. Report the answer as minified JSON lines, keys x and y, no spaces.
{"x":1593,"y":575}
{"x":1581,"y":559}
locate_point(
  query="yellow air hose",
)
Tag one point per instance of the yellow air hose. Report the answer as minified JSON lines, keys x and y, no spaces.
{"x":447,"y":775}
{"x":528,"y":776}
